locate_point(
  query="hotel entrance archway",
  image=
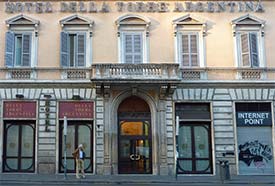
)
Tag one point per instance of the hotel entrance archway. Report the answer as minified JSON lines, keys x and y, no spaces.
{"x":134,"y":137}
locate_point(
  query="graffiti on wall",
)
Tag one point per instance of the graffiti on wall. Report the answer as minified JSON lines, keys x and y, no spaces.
{"x":255,"y":152}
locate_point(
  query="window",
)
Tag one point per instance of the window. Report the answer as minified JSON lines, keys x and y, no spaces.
{"x":189,"y":37}
{"x":73,"y":49}
{"x":249,"y":49}
{"x":75,"y":43}
{"x":21,"y":42}
{"x":133,"y":38}
{"x":248,"y":32}
{"x":194,"y":138}
{"x":132,"y":47}
{"x":189,"y":56}
{"x":254,"y":138}
{"x":76,"y":47}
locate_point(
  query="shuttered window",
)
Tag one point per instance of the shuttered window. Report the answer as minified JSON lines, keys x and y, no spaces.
{"x":133,"y":51}
{"x":189,"y":50}
{"x":18,"y":49}
{"x":73,"y":49}
{"x":249,"y":50}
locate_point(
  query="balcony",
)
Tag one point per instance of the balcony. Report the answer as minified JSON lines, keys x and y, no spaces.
{"x":146,"y":73}
{"x":138,"y":73}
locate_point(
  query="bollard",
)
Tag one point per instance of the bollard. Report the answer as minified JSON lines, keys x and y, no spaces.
{"x":224,"y":170}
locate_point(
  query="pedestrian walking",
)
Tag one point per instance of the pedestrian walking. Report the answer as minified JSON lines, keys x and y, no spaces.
{"x":79,"y":156}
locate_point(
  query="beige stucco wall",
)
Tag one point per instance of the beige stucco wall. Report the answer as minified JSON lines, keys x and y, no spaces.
{"x":219,"y":45}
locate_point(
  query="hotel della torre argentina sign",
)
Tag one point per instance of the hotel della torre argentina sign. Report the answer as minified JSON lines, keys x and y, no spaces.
{"x":132,"y":6}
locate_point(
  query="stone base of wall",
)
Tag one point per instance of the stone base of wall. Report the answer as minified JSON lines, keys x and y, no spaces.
{"x":163,"y":170}
{"x":107,"y":170}
{"x":46,"y":168}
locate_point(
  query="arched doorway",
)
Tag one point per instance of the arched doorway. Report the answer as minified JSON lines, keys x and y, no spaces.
{"x":134,"y":137}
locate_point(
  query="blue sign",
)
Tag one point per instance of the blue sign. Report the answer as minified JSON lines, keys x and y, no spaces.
{"x":254,"y":119}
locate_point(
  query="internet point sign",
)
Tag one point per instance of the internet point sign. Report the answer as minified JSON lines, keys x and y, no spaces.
{"x":254,"y":119}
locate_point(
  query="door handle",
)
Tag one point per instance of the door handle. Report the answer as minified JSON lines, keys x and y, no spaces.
{"x":132,"y":157}
{"x":135,"y":157}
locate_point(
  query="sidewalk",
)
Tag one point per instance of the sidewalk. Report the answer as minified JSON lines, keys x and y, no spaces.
{"x":146,"y":179}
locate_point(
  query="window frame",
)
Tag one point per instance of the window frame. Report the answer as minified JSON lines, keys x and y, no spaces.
{"x":190,"y":25}
{"x":180,"y":49}
{"x":260,"y":49}
{"x":77,"y":25}
{"x":144,"y":53}
{"x":33,"y":46}
{"x":133,"y":24}
{"x":87,"y":49}
{"x":248,"y":24}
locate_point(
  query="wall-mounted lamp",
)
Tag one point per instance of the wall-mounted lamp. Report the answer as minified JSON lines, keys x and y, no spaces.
{"x":19,"y":96}
{"x":48,"y":96}
{"x":76,"y":97}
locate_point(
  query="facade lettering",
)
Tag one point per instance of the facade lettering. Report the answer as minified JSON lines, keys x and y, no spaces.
{"x":76,"y":109}
{"x":254,"y":118}
{"x":19,"y":109}
{"x":157,"y":7}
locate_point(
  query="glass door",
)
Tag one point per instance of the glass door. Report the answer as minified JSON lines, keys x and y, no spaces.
{"x":77,"y":133}
{"x":19,"y":146}
{"x":134,"y":148}
{"x":194,"y":145}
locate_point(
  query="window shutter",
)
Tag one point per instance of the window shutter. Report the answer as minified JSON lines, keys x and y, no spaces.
{"x":9,"y":56}
{"x":64,"y":57}
{"x":185,"y":50}
{"x":245,"y":49}
{"x":26,"y":49}
{"x":137,"y":38}
{"x":128,"y":48}
{"x":194,"y":50}
{"x":81,"y":49}
{"x":133,"y":48}
{"x":254,"y":49}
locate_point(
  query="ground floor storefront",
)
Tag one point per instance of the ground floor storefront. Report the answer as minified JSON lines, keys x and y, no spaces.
{"x":138,"y":129}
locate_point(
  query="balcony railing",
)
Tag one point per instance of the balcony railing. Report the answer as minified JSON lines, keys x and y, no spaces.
{"x":21,"y":73}
{"x":167,"y":71}
{"x":138,"y":72}
{"x":76,"y":73}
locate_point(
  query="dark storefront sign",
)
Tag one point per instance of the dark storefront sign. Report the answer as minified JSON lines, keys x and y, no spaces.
{"x":72,"y":109}
{"x":254,"y":119}
{"x":19,"y":109}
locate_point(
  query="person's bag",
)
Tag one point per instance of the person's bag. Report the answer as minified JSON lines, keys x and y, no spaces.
{"x":84,"y":155}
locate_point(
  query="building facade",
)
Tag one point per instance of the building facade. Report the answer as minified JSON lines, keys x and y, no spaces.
{"x":148,"y":87}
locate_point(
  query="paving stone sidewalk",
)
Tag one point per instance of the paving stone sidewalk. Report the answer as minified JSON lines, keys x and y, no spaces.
{"x":60,"y":179}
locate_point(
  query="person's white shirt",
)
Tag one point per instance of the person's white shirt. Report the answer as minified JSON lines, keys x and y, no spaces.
{"x":80,"y":154}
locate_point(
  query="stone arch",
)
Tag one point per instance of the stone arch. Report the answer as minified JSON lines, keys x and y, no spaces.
{"x":114,"y":127}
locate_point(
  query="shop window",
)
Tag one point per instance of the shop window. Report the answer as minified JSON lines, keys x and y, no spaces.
{"x":189,"y":35}
{"x":194,"y":138}
{"x":78,"y":132}
{"x":248,"y":33}
{"x":76,"y":51}
{"x":19,"y":146}
{"x":21,"y":47}
{"x":133,"y":39}
{"x":254,"y":136}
